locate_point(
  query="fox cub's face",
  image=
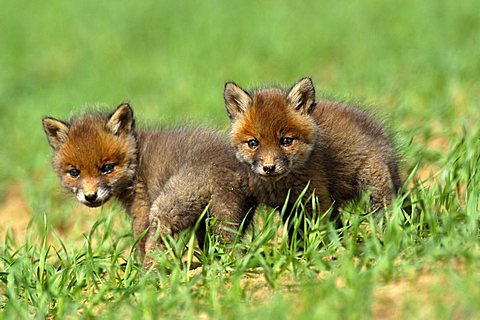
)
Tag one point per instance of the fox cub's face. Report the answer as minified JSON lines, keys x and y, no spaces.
{"x":94,"y":155}
{"x":272,"y":130}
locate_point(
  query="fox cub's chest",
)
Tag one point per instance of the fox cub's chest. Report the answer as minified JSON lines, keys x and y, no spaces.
{"x":275,"y":193}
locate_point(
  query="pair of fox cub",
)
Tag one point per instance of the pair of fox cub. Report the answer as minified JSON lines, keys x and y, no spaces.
{"x":281,"y":141}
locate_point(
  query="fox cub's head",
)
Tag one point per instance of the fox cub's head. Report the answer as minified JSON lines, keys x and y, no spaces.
{"x":272,"y":130}
{"x":94,"y":155}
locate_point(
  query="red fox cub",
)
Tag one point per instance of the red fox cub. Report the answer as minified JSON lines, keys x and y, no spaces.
{"x":289,"y":140}
{"x":164,"y":179}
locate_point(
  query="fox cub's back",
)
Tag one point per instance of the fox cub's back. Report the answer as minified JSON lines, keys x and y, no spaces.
{"x":198,"y":152}
{"x":354,"y":142}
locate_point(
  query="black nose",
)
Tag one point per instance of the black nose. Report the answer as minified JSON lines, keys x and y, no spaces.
{"x":91,"y":197}
{"x":269,"y":168}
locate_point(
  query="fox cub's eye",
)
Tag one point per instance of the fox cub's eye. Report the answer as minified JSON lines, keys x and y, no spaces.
{"x":107,"y":168}
{"x":286,"y":141}
{"x":74,"y":172}
{"x":253,"y":143}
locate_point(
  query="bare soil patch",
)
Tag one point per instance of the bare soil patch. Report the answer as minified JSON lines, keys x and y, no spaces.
{"x":417,"y":293}
{"x":15,"y":214}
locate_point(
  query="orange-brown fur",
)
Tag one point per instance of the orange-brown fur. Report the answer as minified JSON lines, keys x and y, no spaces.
{"x":164,"y":178}
{"x":339,"y":151}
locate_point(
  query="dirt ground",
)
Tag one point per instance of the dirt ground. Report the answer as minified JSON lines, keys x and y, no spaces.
{"x":14,"y":214}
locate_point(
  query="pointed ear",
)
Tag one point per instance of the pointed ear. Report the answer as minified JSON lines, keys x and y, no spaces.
{"x":56,"y":131}
{"x":121,"y":120}
{"x":302,"y":96}
{"x":237,"y":100}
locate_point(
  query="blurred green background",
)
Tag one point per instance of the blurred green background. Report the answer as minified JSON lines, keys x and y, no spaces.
{"x":416,"y":62}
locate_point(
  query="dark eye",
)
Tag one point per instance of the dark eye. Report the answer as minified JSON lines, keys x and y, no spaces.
{"x":107,"y":168}
{"x":74,"y":172}
{"x":286,"y":141}
{"x":253,"y":143}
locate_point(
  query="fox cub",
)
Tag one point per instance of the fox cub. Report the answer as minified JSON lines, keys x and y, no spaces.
{"x":289,"y":140}
{"x":164,"y":179}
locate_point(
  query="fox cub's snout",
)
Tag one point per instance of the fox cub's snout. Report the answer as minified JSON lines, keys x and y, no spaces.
{"x":94,"y":155}
{"x":272,"y":131}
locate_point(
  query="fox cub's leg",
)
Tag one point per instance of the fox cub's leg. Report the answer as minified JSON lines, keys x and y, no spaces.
{"x":177,"y":208}
{"x":376,"y":177}
{"x":181,"y":204}
{"x":139,"y":210}
{"x":171,"y":213}
{"x":230,"y":208}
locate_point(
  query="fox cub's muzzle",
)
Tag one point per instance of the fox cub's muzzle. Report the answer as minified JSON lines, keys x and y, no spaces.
{"x":93,"y":197}
{"x":272,"y":169}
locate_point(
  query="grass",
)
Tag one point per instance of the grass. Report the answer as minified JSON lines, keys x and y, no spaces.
{"x":415,"y":64}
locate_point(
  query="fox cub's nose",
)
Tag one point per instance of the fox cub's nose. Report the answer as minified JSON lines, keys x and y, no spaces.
{"x":91,"y":197}
{"x":269,"y":168}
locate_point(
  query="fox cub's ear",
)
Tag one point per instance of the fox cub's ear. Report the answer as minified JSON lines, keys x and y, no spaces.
{"x":302,"y":96}
{"x":121,"y":120}
{"x":56,"y":131}
{"x":237,"y":100}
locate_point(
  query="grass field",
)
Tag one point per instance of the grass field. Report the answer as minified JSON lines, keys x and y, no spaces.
{"x":416,"y":64}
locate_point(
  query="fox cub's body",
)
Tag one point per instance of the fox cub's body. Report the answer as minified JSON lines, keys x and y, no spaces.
{"x":289,"y":140}
{"x":164,"y":179}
